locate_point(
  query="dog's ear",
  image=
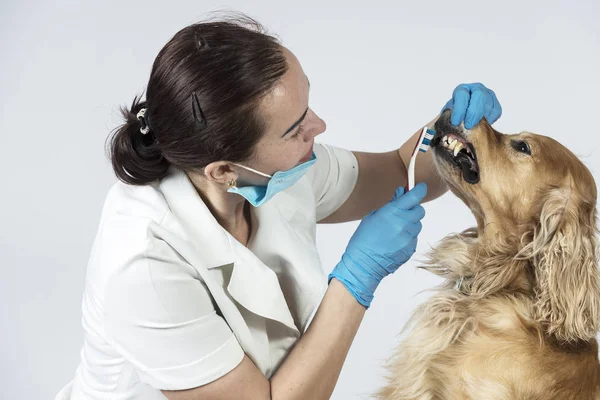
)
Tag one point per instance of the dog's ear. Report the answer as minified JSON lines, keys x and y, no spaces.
{"x":563,"y":254}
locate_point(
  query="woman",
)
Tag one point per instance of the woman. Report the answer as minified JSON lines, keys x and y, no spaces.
{"x":204,"y":274}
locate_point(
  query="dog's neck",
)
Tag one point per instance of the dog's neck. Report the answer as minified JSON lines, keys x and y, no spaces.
{"x":478,"y":265}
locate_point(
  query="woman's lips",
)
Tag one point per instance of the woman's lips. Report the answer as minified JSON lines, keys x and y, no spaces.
{"x":307,"y":156}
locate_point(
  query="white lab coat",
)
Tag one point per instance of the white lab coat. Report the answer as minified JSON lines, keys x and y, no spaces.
{"x":172,"y":301}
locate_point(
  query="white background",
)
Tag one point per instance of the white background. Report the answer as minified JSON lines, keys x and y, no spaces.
{"x":378,"y":71}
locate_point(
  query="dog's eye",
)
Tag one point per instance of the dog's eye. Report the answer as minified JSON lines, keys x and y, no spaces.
{"x":521,"y":146}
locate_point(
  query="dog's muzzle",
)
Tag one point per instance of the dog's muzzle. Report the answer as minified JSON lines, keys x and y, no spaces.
{"x":451,"y":144}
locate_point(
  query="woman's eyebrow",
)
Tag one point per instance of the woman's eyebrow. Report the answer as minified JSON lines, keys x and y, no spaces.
{"x":301,"y":118}
{"x":296,"y":123}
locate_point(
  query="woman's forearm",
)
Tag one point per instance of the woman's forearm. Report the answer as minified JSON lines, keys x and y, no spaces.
{"x":312,"y":368}
{"x":379,"y":174}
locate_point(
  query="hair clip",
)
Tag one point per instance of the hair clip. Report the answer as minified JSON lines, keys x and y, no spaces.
{"x":141,"y":116}
{"x":197,"y":111}
{"x":201,"y":42}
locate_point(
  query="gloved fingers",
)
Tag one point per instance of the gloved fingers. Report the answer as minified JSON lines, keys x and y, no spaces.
{"x":496,"y":109}
{"x":409,"y":248}
{"x":413,"y":229}
{"x":399,"y":192}
{"x":401,"y":258}
{"x":479,"y":98}
{"x":460,"y":100}
{"x":401,"y":253}
{"x":413,"y":215}
{"x":411,"y":198}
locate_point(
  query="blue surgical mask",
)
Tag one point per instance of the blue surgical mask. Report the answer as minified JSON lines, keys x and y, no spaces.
{"x":280,"y":180}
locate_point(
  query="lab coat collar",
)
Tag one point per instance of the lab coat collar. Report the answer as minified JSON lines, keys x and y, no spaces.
{"x":254,"y":285}
{"x":207,"y":236}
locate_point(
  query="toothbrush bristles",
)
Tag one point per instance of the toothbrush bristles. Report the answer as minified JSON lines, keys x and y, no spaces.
{"x":426,"y":140}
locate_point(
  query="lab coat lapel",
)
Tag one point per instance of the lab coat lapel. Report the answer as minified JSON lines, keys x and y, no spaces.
{"x":255,"y":286}
{"x":252,"y":284}
{"x":285,"y":240}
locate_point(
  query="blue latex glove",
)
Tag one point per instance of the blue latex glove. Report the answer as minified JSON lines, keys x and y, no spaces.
{"x":471,"y":102}
{"x":384,"y":240}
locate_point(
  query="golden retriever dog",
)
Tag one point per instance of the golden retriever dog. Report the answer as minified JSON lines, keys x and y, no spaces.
{"x":518,"y":314}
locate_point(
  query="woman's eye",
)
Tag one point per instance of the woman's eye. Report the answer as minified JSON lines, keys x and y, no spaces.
{"x":521,"y":146}
{"x":297,"y":132}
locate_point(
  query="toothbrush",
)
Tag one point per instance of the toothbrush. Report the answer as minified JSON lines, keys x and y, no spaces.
{"x":422,"y":146}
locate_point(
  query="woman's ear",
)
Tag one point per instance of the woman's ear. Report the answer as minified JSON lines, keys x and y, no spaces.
{"x":563,"y":254}
{"x":219,"y":172}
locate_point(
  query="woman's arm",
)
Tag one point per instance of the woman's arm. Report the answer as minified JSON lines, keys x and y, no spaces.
{"x":379,"y":174}
{"x":310,"y":371}
{"x":383,"y":241}
{"x":313,"y":367}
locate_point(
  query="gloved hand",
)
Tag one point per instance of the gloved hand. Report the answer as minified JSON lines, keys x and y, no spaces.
{"x":471,"y":102}
{"x":384,"y":240}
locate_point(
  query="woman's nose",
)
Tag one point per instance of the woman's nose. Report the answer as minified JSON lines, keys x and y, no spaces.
{"x":317,"y":126}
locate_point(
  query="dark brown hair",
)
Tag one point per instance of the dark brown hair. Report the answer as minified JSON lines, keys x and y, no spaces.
{"x":230,"y":64}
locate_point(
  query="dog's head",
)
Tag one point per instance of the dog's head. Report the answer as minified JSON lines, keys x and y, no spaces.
{"x":536,"y":198}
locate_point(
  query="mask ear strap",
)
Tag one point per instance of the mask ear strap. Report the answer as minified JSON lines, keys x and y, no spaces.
{"x":252,"y":170}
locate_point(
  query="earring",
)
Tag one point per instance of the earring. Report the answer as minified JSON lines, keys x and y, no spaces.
{"x":231,"y":183}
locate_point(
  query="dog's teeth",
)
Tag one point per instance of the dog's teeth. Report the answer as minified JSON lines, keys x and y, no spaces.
{"x":457,"y":148}
{"x":452,"y":144}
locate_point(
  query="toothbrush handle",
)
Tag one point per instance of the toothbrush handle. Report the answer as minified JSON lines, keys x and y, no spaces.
{"x":410,"y":174}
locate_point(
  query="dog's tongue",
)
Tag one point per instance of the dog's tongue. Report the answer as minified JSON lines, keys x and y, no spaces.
{"x":469,"y":170}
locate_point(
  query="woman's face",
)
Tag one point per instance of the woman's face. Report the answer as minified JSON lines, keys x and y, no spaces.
{"x":291,"y":125}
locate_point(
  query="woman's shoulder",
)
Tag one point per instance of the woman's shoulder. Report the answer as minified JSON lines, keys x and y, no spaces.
{"x":125,"y":244}
{"x":132,"y":214}
{"x":144,"y":202}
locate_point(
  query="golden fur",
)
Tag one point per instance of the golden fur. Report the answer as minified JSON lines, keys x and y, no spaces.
{"x":518,"y":314}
